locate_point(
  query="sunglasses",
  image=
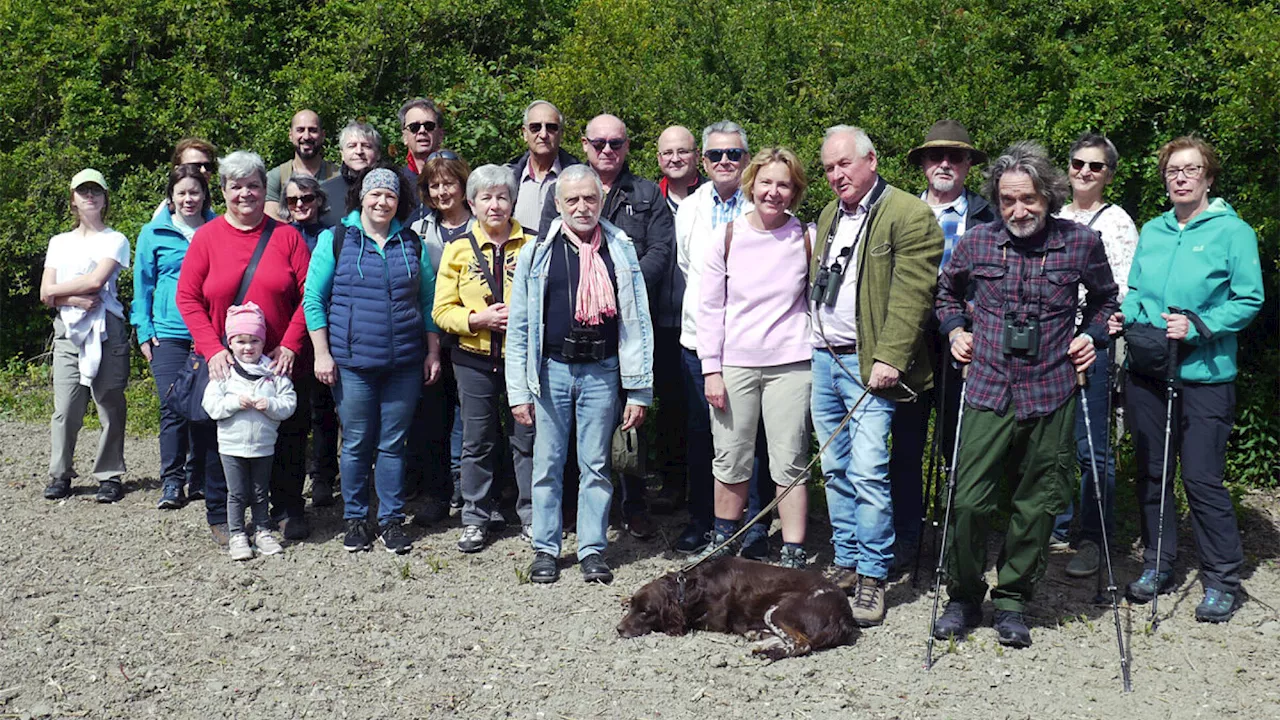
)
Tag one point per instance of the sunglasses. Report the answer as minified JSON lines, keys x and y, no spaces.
{"x":613,"y":143}
{"x":302,"y":199}
{"x":535,"y":127}
{"x":417,"y":127}
{"x":732,"y":155}
{"x":1078,"y":164}
{"x":443,"y":155}
{"x":955,"y":157}
{"x":204,"y":167}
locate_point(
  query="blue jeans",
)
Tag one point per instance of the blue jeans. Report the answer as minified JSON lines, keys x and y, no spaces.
{"x":1097,"y":389}
{"x":856,"y":466}
{"x":376,"y":410}
{"x":178,"y":466}
{"x":587,"y":393}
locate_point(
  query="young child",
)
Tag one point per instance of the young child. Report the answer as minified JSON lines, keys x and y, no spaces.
{"x":249,"y":406}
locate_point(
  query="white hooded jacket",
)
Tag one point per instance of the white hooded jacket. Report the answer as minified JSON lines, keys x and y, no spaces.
{"x":249,"y":432}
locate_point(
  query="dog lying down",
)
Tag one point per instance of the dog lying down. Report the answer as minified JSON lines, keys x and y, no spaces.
{"x":790,"y":612}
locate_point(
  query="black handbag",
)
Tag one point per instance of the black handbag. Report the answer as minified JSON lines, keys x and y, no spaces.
{"x":185,"y":396}
{"x":1149,"y":351}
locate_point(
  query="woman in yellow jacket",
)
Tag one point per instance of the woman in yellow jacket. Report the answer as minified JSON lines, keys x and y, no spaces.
{"x":472,"y":283}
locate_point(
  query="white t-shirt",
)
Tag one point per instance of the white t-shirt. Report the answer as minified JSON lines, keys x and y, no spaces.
{"x":73,"y":254}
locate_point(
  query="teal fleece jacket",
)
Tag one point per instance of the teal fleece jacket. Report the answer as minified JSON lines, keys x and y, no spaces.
{"x":159,"y":253}
{"x":1211,"y":268}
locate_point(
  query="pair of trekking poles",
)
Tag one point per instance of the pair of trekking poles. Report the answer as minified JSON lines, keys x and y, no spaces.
{"x":950,"y":473}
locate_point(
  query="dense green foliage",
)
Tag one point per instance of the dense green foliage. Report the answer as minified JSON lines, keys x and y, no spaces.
{"x":114,"y":84}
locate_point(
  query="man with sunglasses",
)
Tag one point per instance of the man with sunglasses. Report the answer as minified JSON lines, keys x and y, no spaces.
{"x":422,"y":130}
{"x":307,"y":137}
{"x":537,"y":169}
{"x":636,"y":207}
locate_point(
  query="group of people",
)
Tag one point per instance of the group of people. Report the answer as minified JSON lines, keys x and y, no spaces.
{"x":467,"y":327}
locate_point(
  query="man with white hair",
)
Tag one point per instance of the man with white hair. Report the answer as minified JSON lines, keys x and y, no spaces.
{"x":361,"y":146}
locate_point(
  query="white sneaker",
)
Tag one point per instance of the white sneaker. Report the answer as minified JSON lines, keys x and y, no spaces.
{"x":239,"y":548}
{"x":266,"y":542}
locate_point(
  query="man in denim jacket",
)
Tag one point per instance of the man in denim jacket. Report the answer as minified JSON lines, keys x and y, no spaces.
{"x":579,"y":339}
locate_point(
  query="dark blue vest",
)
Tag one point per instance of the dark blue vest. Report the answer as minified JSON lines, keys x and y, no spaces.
{"x":375,"y":320}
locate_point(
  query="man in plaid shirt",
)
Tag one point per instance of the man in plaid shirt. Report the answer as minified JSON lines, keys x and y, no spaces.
{"x":1024,"y":351}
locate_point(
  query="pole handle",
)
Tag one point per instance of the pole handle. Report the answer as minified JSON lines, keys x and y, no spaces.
{"x":1080,"y":379}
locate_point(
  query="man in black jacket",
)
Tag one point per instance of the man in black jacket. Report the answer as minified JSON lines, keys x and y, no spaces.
{"x":637,"y":207}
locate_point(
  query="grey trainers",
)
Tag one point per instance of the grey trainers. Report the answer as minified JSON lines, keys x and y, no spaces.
{"x":1085,"y":562}
{"x":239,"y":547}
{"x":716,"y":548}
{"x":868,"y":601}
{"x":794,"y":558}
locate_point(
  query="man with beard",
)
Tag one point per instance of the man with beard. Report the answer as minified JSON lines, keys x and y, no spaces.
{"x":361,"y":146}
{"x":307,"y":137}
{"x":1019,"y":334}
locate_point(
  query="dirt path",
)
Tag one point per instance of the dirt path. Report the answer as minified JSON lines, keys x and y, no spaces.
{"x":126,"y":612}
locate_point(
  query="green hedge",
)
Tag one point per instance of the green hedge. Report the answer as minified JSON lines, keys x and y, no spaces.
{"x":114,"y":84}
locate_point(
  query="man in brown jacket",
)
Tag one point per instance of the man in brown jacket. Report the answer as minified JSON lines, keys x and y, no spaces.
{"x":873,"y":274}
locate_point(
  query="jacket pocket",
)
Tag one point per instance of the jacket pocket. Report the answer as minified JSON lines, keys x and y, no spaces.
{"x":988,"y":286}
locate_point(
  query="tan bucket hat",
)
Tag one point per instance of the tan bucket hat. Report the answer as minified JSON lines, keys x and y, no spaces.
{"x":947,"y":134}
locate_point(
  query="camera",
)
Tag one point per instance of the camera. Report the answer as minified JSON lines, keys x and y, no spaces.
{"x":1021,"y":337}
{"x":583,"y":345}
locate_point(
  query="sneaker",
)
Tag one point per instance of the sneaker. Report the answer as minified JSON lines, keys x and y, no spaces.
{"x":455,"y":501}
{"x":393,"y":538}
{"x":1147,"y":586}
{"x":959,"y":617}
{"x":58,"y":489}
{"x":716,"y":548}
{"x":171,"y":497}
{"x":472,"y":540}
{"x":239,"y":548}
{"x":794,"y":558}
{"x":1011,"y":629}
{"x":755,"y":544}
{"x":110,"y":491}
{"x":221,"y":535}
{"x":497,"y":521}
{"x":640,"y":526}
{"x":321,"y":492}
{"x":1217,"y":606}
{"x":432,"y":512}
{"x":295,"y":529}
{"x":266,"y":542}
{"x":1059,"y":543}
{"x":1085,"y":562}
{"x":526,"y":533}
{"x":868,"y":601}
{"x":595,"y":569}
{"x":544,"y":569}
{"x":357,"y":538}
{"x":194,"y":494}
{"x":693,"y":538}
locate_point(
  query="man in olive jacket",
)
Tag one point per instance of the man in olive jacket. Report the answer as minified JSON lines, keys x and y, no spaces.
{"x":872,"y":279}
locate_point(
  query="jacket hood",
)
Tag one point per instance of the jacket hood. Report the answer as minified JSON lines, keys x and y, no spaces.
{"x":352,"y":219}
{"x":165,"y":219}
{"x":1218,"y":208}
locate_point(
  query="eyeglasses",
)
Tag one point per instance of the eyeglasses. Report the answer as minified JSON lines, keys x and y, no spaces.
{"x":535,"y":127}
{"x":443,"y":155}
{"x":731,"y":154}
{"x":90,"y":189}
{"x":417,"y":127}
{"x":614,"y":144}
{"x":955,"y":157}
{"x":1190,"y":171}
{"x":301,"y":199}
{"x":674,"y":152}
{"x":204,"y":167}
{"x":1078,"y":164}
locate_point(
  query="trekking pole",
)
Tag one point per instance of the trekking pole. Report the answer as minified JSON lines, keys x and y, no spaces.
{"x":1169,"y":393}
{"x":929,"y":502}
{"x":946,"y":519}
{"x":1106,"y":546}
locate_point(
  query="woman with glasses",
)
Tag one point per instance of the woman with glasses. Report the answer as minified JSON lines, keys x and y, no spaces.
{"x":1195,"y":275}
{"x":306,"y":203}
{"x":1092,"y":167}
{"x":162,"y":333}
{"x":90,"y":338}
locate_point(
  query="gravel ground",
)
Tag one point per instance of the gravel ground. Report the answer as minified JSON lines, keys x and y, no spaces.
{"x":124,"y":611}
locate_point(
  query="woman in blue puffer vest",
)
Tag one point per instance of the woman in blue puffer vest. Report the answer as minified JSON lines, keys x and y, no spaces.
{"x":369,"y":293}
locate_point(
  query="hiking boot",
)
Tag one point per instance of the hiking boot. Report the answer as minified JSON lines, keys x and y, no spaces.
{"x":793,"y":558}
{"x":868,"y":601}
{"x":545,"y":568}
{"x":221,"y":535}
{"x":393,"y":538}
{"x":266,"y":543}
{"x":295,"y":529}
{"x":959,"y":617}
{"x":640,"y":526}
{"x":110,"y":491}
{"x":432,"y":512}
{"x":472,"y":540}
{"x":1085,"y":562}
{"x":171,"y":497}
{"x":693,"y":538}
{"x":455,"y":500}
{"x":1011,"y":629}
{"x":716,"y":548}
{"x":321,"y":492}
{"x":755,"y":544}
{"x":239,"y":548}
{"x":595,"y":569}
{"x":58,"y":489}
{"x":1147,"y":586}
{"x":357,"y":538}
{"x":1217,"y":606}
{"x":845,"y":578}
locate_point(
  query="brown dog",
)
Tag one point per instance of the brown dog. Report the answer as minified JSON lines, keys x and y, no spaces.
{"x":791,"y":612}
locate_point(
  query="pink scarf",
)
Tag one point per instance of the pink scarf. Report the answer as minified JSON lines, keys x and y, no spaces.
{"x":595,"y":299}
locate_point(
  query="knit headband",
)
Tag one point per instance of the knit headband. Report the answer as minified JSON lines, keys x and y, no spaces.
{"x":380,"y":179}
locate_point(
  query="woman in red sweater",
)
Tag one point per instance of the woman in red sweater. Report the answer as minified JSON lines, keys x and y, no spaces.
{"x":211,"y":272}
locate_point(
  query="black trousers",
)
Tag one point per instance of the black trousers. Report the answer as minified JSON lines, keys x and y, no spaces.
{"x":1202,"y":420}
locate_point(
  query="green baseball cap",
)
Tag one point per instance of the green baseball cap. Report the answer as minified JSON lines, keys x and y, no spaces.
{"x":89,"y":175}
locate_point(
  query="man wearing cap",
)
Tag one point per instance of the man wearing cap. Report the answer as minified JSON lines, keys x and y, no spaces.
{"x":945,"y":156}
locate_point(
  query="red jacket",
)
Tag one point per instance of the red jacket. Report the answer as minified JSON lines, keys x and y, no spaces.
{"x":210,"y":277}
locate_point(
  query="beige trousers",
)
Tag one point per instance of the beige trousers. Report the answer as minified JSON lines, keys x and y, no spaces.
{"x":71,"y":399}
{"x":779,"y":395}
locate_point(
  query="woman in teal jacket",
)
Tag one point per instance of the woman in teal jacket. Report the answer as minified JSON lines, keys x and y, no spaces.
{"x":1196,"y":274}
{"x":185,"y":448}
